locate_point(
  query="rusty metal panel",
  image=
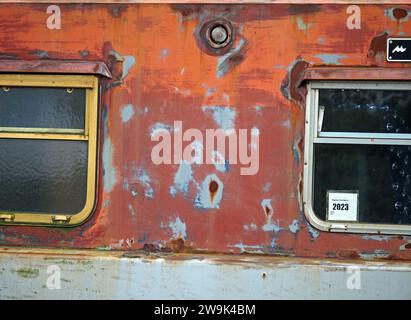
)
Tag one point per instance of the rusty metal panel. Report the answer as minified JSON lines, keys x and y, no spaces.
{"x":162,"y":73}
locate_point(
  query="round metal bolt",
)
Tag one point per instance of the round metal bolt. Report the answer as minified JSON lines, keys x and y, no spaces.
{"x":219,"y":34}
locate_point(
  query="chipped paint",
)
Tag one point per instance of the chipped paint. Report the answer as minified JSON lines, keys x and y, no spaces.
{"x":131,"y":210}
{"x":178,"y":228}
{"x":209,"y":199}
{"x":158,"y":127}
{"x":164,"y":53}
{"x":109,"y":173}
{"x":398,"y":14}
{"x":127,"y":113}
{"x":128,"y":63}
{"x":294,"y":227}
{"x":269,"y":212}
{"x":224,"y":117}
{"x":41,"y":54}
{"x":231,"y":59}
{"x":182,"y":179}
{"x":331,"y":58}
{"x":248,"y":248}
{"x":250,"y":227}
{"x":220,"y":163}
{"x":256,"y":83}
{"x":376,"y":237}
{"x":111,"y":275}
{"x":313,"y":232}
{"x":302,"y":25}
{"x":144,"y":179}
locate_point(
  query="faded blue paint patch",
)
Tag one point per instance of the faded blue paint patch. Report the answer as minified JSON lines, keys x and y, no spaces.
{"x":270,"y":226}
{"x":286,"y":124}
{"x":109,"y":172}
{"x":127,"y":113}
{"x":313,"y":232}
{"x":269,"y":211}
{"x":128,"y":62}
{"x":266,"y":204}
{"x":379,"y":254}
{"x":40,"y":53}
{"x":248,"y":248}
{"x":224,"y":117}
{"x":142,"y":176}
{"x":258,"y":110}
{"x":250,"y":227}
{"x":273,"y":243}
{"x":267,"y":187}
{"x":159,"y":126}
{"x":131,"y":210}
{"x":220,"y":163}
{"x":178,"y":228}
{"x":209,"y":90}
{"x":164,"y":53}
{"x":296,"y":150}
{"x":204,"y":199}
{"x":294,"y":227}
{"x":330,"y":58}
{"x":377,"y":238}
{"x":125,"y":184}
{"x":182,"y":179}
{"x":106,"y":203}
{"x":302,"y":25}
{"x":222,"y":66}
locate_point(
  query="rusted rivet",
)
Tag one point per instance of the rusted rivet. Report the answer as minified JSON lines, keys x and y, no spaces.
{"x":264,"y":275}
{"x":213,"y":187}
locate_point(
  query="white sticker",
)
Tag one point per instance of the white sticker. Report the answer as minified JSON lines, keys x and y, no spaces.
{"x":342,"y":206}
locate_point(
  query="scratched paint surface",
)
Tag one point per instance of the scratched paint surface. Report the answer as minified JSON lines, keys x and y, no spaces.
{"x":161,"y":74}
{"x":113,"y":275}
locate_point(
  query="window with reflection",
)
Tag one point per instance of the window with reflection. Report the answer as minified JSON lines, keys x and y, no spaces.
{"x":48,"y":130}
{"x":358,"y":152}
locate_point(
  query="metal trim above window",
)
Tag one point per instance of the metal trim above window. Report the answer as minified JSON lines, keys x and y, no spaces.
{"x":315,"y":136}
{"x":86,"y":136}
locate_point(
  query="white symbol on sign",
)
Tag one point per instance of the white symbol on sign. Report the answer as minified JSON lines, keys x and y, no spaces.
{"x":399,"y":49}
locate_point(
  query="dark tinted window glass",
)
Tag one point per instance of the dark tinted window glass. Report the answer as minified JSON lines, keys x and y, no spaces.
{"x":42,"y":108}
{"x":381,"y":173}
{"x":381,"y":111}
{"x":43,"y":176}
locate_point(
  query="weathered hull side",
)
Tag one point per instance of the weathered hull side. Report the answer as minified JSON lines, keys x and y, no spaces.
{"x":162,"y":74}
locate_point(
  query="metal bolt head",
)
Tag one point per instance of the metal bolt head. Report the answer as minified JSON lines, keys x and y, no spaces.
{"x":219,"y":34}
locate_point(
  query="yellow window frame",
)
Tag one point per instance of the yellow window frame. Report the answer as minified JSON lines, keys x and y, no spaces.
{"x":89,"y":134}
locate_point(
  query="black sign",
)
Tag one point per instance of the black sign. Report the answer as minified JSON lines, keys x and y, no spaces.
{"x":399,"y":50}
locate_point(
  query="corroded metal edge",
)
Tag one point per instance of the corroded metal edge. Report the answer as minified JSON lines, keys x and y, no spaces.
{"x":55,"y":66}
{"x":218,"y":1}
